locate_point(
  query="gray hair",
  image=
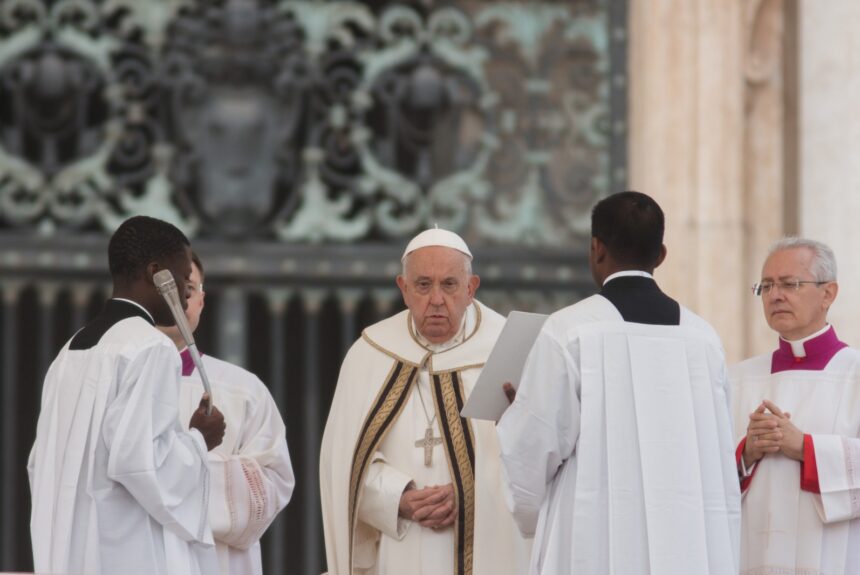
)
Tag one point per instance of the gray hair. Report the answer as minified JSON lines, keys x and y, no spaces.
{"x":467,"y":262}
{"x":823,"y":261}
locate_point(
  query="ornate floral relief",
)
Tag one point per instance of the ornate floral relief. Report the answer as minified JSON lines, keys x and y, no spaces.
{"x":306,"y":121}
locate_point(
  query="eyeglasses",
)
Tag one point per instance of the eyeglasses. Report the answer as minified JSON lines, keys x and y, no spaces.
{"x":763,"y":288}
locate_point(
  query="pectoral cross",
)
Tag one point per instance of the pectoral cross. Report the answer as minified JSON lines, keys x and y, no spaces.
{"x":428,"y":443}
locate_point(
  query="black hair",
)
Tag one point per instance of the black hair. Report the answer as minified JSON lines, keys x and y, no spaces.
{"x":631,"y":226}
{"x":139,"y":241}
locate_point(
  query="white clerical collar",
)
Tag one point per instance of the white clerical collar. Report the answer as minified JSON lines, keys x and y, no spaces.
{"x":797,"y":349}
{"x":628,"y":273}
{"x":132,"y":302}
{"x":468,"y":318}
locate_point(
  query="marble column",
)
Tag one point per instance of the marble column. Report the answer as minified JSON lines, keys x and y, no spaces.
{"x":706,"y":142}
{"x":830,"y":145}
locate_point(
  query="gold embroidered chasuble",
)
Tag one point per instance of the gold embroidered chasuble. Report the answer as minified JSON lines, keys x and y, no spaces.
{"x":379,"y":376}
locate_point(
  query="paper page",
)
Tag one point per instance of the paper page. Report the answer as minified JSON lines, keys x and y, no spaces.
{"x":506,"y":361}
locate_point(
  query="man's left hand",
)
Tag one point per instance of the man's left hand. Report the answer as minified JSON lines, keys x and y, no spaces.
{"x":510,"y":392}
{"x":792,"y":438}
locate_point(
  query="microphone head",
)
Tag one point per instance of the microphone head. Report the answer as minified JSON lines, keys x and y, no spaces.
{"x":164,"y":281}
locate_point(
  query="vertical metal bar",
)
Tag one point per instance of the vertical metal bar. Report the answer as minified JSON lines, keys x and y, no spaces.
{"x":383,"y":302}
{"x":312,"y":429}
{"x":9,"y":382}
{"x":47,"y":303}
{"x":277,"y":304}
{"x":80,"y":299}
{"x":348,"y":300}
{"x":232,"y":313}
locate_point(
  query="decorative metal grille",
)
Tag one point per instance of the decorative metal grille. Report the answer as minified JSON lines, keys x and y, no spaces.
{"x":298,"y":144}
{"x":308,"y":121}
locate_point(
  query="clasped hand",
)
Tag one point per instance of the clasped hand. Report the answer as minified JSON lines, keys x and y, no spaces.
{"x":771,"y":431}
{"x":434,"y":507}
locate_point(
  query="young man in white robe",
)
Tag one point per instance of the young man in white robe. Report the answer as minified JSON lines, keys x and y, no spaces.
{"x":617,"y":448}
{"x":117,"y":485}
{"x":251,"y":475}
{"x":407,"y":485}
{"x":797,"y":422}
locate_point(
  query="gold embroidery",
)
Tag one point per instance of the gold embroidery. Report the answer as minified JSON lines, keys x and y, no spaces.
{"x":459,"y":447}
{"x":386,"y":408}
{"x":389,"y":353}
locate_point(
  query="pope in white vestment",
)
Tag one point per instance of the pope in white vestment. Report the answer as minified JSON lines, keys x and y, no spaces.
{"x":394,"y":424}
{"x":618,"y":449}
{"x":251,"y":476}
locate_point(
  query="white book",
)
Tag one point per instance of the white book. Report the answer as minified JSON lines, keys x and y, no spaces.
{"x":505,"y":364}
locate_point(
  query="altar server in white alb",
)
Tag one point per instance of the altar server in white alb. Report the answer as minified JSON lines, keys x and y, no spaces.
{"x":407,"y":485}
{"x":618,"y":447}
{"x":251,"y":473}
{"x":797,"y":421}
{"x":118,"y":487}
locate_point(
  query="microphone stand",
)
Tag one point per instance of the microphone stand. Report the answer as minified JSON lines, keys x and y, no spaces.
{"x":167,"y":288}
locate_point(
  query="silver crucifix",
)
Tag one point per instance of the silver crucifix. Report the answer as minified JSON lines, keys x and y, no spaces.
{"x":428,"y":443}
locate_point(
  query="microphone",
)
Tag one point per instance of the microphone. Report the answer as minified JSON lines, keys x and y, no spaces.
{"x":166,"y":286}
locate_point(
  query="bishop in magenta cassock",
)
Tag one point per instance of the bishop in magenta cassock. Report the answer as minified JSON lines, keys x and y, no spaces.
{"x":797,"y":422}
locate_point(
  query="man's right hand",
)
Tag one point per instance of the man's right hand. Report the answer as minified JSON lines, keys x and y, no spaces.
{"x":211,"y":426}
{"x":434,"y":505}
{"x":763,"y":435}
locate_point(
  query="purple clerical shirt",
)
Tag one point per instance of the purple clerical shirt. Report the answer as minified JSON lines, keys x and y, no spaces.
{"x":819,"y":351}
{"x":187,"y":362}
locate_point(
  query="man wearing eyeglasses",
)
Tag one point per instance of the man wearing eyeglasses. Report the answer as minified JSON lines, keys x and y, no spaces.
{"x":797,"y":417}
{"x":251,"y":474}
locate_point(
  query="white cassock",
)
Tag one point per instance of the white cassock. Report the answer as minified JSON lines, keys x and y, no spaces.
{"x":785,"y":528}
{"x":618,"y":448}
{"x":369,"y":456}
{"x":251,"y":476}
{"x":117,"y":486}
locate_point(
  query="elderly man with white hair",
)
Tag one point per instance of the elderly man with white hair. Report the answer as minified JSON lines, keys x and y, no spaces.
{"x":797,"y":419}
{"x":407,"y":485}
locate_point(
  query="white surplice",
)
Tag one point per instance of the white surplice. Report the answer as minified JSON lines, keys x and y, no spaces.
{"x":788,"y":530}
{"x":117,"y":486}
{"x":618,"y":448}
{"x":251,"y":476}
{"x":384,"y":543}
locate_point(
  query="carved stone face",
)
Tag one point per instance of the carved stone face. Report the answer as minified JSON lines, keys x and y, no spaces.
{"x":53,"y":94}
{"x":235,"y":134}
{"x":232,"y":102}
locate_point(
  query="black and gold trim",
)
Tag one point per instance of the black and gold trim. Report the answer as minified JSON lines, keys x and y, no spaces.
{"x":385,"y":410}
{"x":459,"y":441}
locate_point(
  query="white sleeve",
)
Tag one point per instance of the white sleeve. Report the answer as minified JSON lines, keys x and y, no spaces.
{"x":379,"y":506}
{"x":163,"y":467}
{"x":251,"y":487}
{"x":837,"y":459}
{"x":539,"y":430}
